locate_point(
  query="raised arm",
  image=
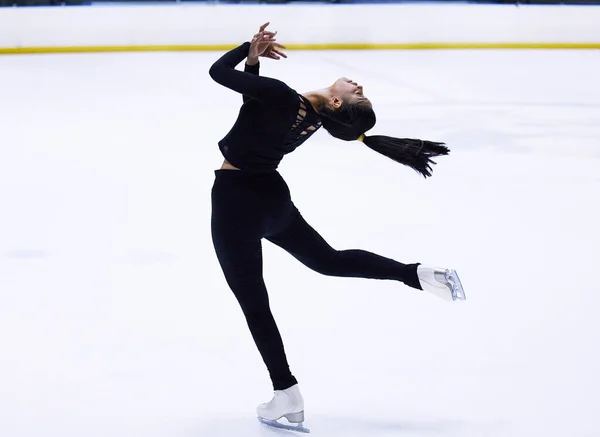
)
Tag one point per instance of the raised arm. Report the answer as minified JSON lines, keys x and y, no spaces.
{"x":248,"y":82}
{"x":253,"y":68}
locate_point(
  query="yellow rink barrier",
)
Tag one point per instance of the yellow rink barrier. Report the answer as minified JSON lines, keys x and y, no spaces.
{"x":340,"y":46}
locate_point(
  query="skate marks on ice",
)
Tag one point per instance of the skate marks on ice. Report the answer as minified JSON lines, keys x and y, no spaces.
{"x":351,"y":426}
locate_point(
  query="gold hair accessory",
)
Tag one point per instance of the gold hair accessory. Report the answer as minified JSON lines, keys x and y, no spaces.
{"x":361,"y":138}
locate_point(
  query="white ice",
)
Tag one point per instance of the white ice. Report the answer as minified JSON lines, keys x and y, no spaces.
{"x":115,"y":319}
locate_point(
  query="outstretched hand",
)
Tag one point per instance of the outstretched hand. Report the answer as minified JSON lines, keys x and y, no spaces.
{"x":265,"y":45}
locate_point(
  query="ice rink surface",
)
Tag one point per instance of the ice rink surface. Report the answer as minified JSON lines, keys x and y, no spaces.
{"x":115,"y":319}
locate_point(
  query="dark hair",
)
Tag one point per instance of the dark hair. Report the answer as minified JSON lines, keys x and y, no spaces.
{"x":351,"y":121}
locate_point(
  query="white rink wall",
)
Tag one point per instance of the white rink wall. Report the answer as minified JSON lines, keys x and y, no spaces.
{"x":206,"y":24}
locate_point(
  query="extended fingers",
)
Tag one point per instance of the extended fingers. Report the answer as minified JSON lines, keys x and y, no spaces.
{"x":279,"y":53}
{"x":275,"y":47}
{"x":267,"y":35}
{"x":273,"y":53}
{"x":264,"y":35}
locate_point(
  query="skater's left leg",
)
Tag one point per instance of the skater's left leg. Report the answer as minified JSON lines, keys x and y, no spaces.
{"x":237,"y":221}
{"x":305,"y":244}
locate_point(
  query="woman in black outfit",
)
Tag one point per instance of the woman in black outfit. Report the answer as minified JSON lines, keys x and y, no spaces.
{"x":251,"y":201}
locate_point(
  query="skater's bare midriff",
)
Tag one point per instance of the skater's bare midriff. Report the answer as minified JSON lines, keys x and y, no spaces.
{"x":227,"y":166}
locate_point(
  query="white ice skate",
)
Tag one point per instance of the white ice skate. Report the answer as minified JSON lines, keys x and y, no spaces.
{"x":286,"y":403}
{"x":443,"y":283}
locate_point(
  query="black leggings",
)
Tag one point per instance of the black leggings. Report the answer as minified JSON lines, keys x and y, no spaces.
{"x":249,"y":207}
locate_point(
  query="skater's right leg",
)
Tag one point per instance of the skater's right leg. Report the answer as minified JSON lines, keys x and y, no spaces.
{"x":304,"y":243}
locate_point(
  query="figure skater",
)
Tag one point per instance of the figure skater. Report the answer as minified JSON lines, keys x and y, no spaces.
{"x":251,"y":201}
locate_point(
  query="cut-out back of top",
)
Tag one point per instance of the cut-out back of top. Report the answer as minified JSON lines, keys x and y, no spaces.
{"x":306,"y":123}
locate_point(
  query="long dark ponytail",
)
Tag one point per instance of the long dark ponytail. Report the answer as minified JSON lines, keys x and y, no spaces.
{"x":416,"y":154}
{"x":351,"y":121}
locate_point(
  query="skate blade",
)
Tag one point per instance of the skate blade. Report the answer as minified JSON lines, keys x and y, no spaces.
{"x":458,"y":293}
{"x":297,"y":427}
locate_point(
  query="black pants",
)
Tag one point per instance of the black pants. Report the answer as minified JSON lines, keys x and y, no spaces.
{"x":249,"y":207}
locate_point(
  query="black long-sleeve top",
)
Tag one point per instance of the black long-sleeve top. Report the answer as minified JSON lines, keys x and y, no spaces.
{"x":273,"y":121}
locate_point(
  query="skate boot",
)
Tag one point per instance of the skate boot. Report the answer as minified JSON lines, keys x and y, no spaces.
{"x":443,"y":283}
{"x":286,"y":403}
